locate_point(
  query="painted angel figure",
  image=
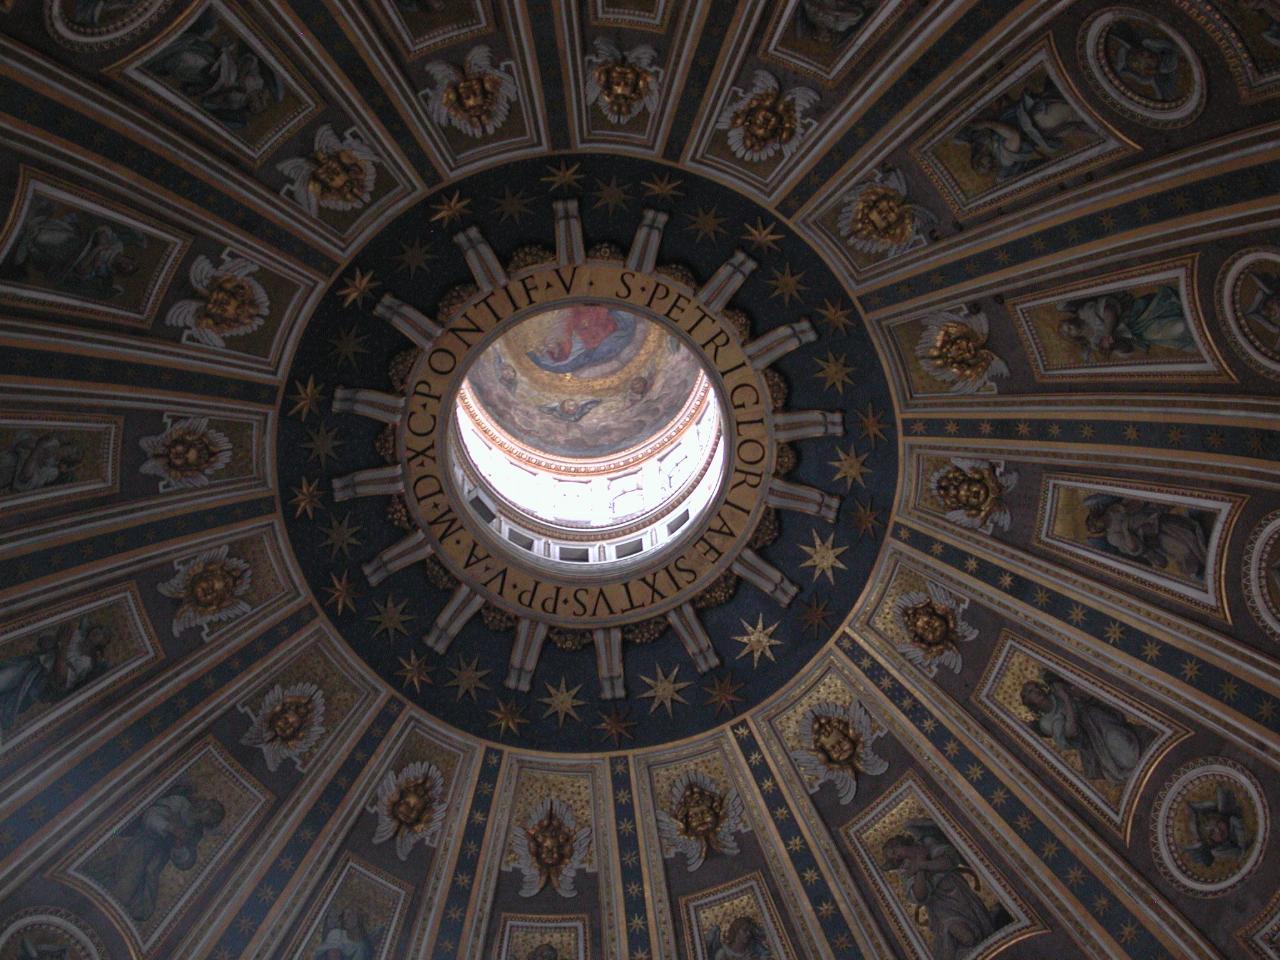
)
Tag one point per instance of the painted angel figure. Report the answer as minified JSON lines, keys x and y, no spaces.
{"x":740,"y":939}
{"x":229,"y":302}
{"x":474,"y":100}
{"x":1146,"y":59}
{"x":702,"y":820}
{"x":551,"y":849}
{"x":288,"y":723}
{"x":186,"y":455}
{"x":973,"y":493}
{"x":935,"y":627}
{"x":338,"y":174}
{"x":937,"y":879}
{"x":836,"y":748}
{"x":623,"y":84}
{"x":62,"y":662}
{"x":1120,"y":324}
{"x":1108,"y":745}
{"x":953,"y":348}
{"x":35,"y":461}
{"x":347,"y":936}
{"x":410,"y":807}
{"x":1021,"y":135}
{"x":879,"y":220}
{"x":763,"y":120}
{"x":1264,"y":310}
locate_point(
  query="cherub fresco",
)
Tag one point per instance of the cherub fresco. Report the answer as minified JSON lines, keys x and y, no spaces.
{"x":584,"y":336}
{"x":550,"y":849}
{"x":287,"y":724}
{"x":34,"y":461}
{"x":410,"y":807}
{"x":1155,"y":535}
{"x":1108,"y":745}
{"x":702,"y":819}
{"x":338,"y":174}
{"x":218,"y":72}
{"x":879,"y":220}
{"x":764,"y":119}
{"x":1120,"y":324}
{"x":166,"y":835}
{"x":831,"y":22}
{"x":75,"y":251}
{"x":740,"y":939}
{"x":229,"y":301}
{"x":474,"y":100}
{"x":1012,"y":138}
{"x":186,"y":455}
{"x":944,"y":888}
{"x":623,"y":84}
{"x":63,"y":661}
{"x":972,"y":492}
{"x":935,"y":627}
{"x":953,"y":348}
{"x":836,"y":747}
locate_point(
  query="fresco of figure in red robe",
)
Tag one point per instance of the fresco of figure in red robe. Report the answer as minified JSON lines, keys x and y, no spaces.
{"x":584,"y":336}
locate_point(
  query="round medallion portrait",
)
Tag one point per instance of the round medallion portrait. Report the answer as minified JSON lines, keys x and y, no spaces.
{"x":1262,"y":574}
{"x":570,"y":465}
{"x":1211,"y":826}
{"x":1249,"y":295}
{"x":1143,"y":67}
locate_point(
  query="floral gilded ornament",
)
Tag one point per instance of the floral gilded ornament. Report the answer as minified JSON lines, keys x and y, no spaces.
{"x":338,"y":174}
{"x":410,"y":807}
{"x":972,"y":492}
{"x":622,"y":85}
{"x":288,"y":723}
{"x":763,"y":120}
{"x":953,"y":348}
{"x":474,"y":100}
{"x":837,"y":748}
{"x":551,"y":849}
{"x":186,"y":455}
{"x":935,"y":628}
{"x":878,"y":219}
{"x":209,"y":588}
{"x":230,"y":302}
{"x":702,"y":820}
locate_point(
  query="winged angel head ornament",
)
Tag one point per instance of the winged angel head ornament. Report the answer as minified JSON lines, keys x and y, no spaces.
{"x":474,"y":100}
{"x":702,"y":819}
{"x":410,"y":806}
{"x":935,"y":628}
{"x":623,"y":84}
{"x":836,"y":748}
{"x":763,"y":120}
{"x":338,"y":174}
{"x":288,"y":723}
{"x":953,"y":349}
{"x":550,"y":849}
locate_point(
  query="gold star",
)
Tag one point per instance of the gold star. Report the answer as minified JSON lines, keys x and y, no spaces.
{"x":787,"y":284}
{"x":306,"y":498}
{"x":815,"y":616}
{"x":450,"y":208}
{"x":1077,"y":614}
{"x":563,"y":177}
{"x":512,"y":206}
{"x":722,"y":694}
{"x":306,"y":398}
{"x":849,"y":467}
{"x":348,"y":345}
{"x":1041,"y":597}
{"x":1266,"y":710}
{"x":390,"y":618}
{"x":865,"y":519}
{"x":467,"y":678}
{"x":665,"y":690}
{"x":507,"y":718}
{"x":823,"y":556}
{"x":1006,"y":580}
{"x":562,"y":702}
{"x":757,"y":641}
{"x":413,"y":257}
{"x":357,"y":287}
{"x":760,"y":237}
{"x":1114,"y":632}
{"x":340,"y":536}
{"x":414,"y":672}
{"x":663,"y":187}
{"x":1075,"y":876}
{"x":834,"y":372}
{"x":615,"y":726}
{"x":706,"y":224}
{"x":322,"y":444}
{"x":1151,"y":651}
{"x":835,"y":316}
{"x":611,"y":196}
{"x":1190,"y":670}
{"x":342,"y":593}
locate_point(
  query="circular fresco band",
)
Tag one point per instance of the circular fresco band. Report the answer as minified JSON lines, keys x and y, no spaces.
{"x":474,"y":556}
